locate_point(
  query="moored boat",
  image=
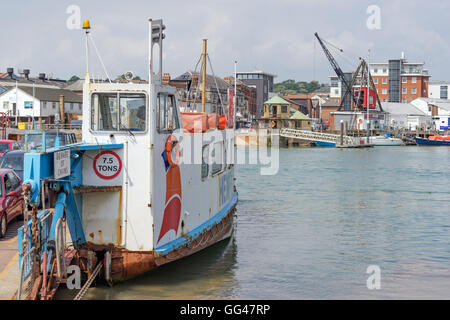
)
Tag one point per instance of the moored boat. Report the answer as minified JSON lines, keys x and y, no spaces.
{"x":148,"y":185}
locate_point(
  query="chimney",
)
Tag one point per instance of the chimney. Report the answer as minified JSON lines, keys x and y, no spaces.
{"x":26,"y":73}
{"x":10,"y":72}
{"x":42,"y":76}
{"x":166,"y":79}
{"x":61,"y":108}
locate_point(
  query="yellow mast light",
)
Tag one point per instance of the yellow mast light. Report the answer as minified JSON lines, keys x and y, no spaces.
{"x":86,"y":25}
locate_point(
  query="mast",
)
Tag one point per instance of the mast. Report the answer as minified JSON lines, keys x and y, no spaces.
{"x":204,"y":76}
{"x":368,"y":97}
{"x":235,"y":98}
{"x":86,"y":27}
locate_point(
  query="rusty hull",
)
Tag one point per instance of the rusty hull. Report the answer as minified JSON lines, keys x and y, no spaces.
{"x":127,"y":264}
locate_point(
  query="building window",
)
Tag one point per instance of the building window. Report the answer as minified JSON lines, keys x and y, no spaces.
{"x":205,"y":161}
{"x":375,"y":81}
{"x":5,"y":104}
{"x":444,"y":92}
{"x":384,"y":80}
{"x":384,"y":91}
{"x":413,"y":90}
{"x":414,"y":80}
{"x":384,"y":100}
{"x":384,"y":70}
{"x":71,"y":106}
{"x":375,"y":70}
{"x":404,"y":90}
{"x":404,"y":80}
{"x":404,"y":100}
{"x":283,"y":109}
{"x":54,"y":105}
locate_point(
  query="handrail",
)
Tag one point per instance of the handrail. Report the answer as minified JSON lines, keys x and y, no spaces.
{"x":314,"y":136}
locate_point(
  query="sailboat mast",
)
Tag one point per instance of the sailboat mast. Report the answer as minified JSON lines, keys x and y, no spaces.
{"x":204,"y":76}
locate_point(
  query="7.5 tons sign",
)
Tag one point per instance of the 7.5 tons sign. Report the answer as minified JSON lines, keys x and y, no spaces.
{"x":107,"y":165}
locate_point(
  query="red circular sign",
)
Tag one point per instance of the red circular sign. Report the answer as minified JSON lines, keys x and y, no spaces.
{"x":107,"y":165}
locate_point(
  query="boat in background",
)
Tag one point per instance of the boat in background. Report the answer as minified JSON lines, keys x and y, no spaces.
{"x":443,"y":140}
{"x":385,"y":140}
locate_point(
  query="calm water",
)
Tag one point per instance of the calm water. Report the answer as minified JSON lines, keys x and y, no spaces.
{"x":311,"y":231}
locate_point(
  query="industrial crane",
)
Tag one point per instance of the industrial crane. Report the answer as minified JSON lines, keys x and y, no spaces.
{"x":337,"y":69}
{"x":363,"y":68}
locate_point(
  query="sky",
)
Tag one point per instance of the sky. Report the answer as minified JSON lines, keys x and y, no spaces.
{"x":273,"y":36}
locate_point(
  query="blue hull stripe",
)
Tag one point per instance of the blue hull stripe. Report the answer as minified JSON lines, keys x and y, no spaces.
{"x":192,"y":235}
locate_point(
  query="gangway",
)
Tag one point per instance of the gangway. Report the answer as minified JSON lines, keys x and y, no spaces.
{"x":316,"y":136}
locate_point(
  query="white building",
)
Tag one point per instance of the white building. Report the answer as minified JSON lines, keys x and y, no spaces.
{"x":405,"y":116}
{"x":438,"y":89}
{"x":438,"y":109}
{"x":41,"y":103}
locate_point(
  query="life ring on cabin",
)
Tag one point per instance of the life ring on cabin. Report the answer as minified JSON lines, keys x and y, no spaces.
{"x":170,"y":145}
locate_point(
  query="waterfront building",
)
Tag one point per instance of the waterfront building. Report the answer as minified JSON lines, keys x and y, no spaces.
{"x":22,"y":103}
{"x":263,"y":82}
{"x":437,"y":109}
{"x":438,"y":89}
{"x":405,"y":116}
{"x":280,"y":113}
{"x":396,"y":80}
{"x":246,"y":107}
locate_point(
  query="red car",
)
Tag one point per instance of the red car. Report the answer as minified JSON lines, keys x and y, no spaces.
{"x":6,"y":145}
{"x":11,"y":199}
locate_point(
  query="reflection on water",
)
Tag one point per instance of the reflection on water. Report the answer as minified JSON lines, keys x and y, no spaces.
{"x":209,"y":274}
{"x":311,"y":231}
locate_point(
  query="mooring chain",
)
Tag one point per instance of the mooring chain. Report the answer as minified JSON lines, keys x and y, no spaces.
{"x":88,"y":283}
{"x":35,"y":234}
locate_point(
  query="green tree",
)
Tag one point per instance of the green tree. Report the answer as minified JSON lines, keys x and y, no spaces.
{"x":74,"y":78}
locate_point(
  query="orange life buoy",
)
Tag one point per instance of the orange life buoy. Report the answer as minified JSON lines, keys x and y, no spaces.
{"x":170,"y":144}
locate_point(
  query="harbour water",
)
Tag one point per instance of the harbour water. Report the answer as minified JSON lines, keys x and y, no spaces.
{"x":312,"y":230}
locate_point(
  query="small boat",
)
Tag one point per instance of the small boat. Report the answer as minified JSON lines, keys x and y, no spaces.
{"x":325,"y":144}
{"x":385,"y":140}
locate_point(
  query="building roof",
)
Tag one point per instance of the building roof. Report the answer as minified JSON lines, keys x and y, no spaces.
{"x":299,"y":116}
{"x":257,"y":72}
{"x":331,"y":103}
{"x":401,"y":108}
{"x":210,"y":83}
{"x":276,"y":100}
{"x":299,"y":96}
{"x":440,"y":103}
{"x":50,"y":94}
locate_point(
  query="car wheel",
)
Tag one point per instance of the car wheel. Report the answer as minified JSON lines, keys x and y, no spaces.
{"x":3,"y":226}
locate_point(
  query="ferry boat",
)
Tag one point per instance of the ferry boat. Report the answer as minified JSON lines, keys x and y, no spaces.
{"x":147,"y":185}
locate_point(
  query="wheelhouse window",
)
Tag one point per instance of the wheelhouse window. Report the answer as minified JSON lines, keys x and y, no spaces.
{"x":104,"y":112}
{"x":166,"y":113}
{"x":205,"y":161}
{"x":118,"y":111}
{"x":217,"y":157}
{"x":132,"y":111}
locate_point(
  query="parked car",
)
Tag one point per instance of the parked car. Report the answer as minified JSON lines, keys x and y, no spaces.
{"x":13,"y":160}
{"x":6,"y":145}
{"x":11,"y":199}
{"x":34,"y":141}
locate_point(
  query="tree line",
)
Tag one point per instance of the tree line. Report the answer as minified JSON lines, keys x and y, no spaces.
{"x":291,"y":87}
